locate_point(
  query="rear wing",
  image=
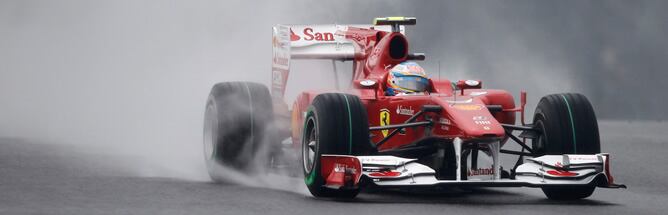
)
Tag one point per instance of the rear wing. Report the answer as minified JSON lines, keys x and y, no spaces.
{"x":310,"y":42}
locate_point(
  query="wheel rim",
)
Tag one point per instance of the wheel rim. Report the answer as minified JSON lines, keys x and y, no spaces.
{"x":210,"y":132}
{"x":309,"y":146}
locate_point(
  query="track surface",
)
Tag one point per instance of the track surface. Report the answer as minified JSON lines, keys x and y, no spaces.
{"x":53,"y":179}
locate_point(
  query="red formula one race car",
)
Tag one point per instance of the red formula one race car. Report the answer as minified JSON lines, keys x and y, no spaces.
{"x":395,"y":127}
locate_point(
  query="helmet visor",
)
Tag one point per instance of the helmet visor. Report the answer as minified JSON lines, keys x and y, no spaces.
{"x":412,"y":83}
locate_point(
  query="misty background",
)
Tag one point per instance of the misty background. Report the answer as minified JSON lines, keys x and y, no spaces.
{"x":131,"y":77}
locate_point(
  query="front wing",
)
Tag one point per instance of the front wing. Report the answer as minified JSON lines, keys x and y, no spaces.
{"x":544,"y":171}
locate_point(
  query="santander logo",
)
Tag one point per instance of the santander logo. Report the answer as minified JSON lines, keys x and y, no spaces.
{"x":293,"y":36}
{"x":311,"y":35}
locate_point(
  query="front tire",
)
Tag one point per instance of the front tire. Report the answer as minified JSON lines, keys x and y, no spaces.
{"x":236,"y":126}
{"x":334,"y":124}
{"x":568,"y":126}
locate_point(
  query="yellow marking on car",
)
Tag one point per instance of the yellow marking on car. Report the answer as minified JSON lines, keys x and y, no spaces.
{"x":384,"y":120}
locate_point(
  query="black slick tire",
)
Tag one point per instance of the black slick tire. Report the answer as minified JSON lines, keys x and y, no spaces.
{"x":568,"y":126}
{"x":335,"y":123}
{"x":236,"y":123}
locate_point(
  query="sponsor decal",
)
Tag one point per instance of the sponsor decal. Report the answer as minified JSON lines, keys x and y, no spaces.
{"x":339,"y":167}
{"x":376,"y":159}
{"x":310,"y":35}
{"x":279,"y":60}
{"x":483,"y":122}
{"x":481,"y":171}
{"x":476,"y":118}
{"x":588,"y":158}
{"x":563,"y":173}
{"x":444,"y":121}
{"x":467,"y":107}
{"x":280,"y":48}
{"x":408,"y":111}
{"x":384,"y":120}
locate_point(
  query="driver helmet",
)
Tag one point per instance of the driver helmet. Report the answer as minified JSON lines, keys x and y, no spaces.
{"x":406,"y":78}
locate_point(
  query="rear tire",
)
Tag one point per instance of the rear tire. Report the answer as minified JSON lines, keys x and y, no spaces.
{"x":335,"y":123}
{"x":568,"y":126}
{"x":236,"y":126}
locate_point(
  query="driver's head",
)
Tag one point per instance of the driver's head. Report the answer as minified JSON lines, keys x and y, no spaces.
{"x":407,"y":77}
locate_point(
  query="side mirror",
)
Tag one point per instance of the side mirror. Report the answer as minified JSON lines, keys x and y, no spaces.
{"x":367,"y":83}
{"x":468,"y":84}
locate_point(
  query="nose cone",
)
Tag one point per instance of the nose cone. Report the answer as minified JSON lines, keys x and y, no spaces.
{"x":471,"y":116}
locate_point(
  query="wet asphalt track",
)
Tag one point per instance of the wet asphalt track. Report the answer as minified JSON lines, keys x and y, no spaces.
{"x":51,"y":179}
